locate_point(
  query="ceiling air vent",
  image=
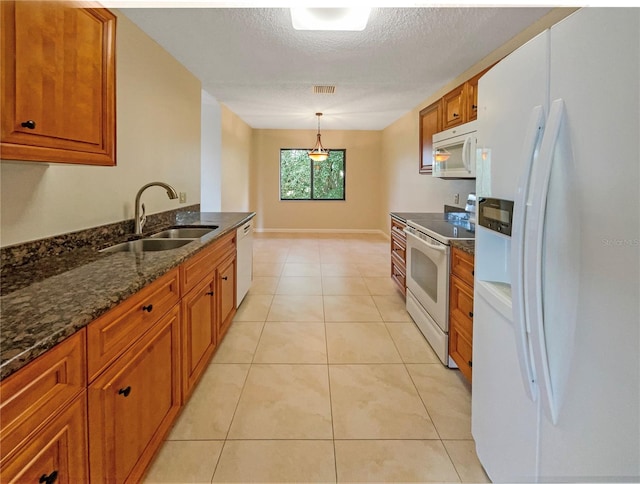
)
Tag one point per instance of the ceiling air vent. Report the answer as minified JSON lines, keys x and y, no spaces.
{"x":324,"y":89}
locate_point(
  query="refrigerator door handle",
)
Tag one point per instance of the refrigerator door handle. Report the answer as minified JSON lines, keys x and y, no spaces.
{"x":530,"y":148}
{"x":533,"y":262}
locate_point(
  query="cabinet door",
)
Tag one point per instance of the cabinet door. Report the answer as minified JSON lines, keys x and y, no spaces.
{"x":227,"y":291}
{"x":58,"y":453}
{"x":133,"y":403}
{"x":199,"y":336}
{"x":472,"y":98}
{"x":461,"y":324}
{"x":453,"y":107}
{"x":460,"y":349}
{"x":58,"y":83}
{"x":471,"y":95}
{"x":462,"y":265}
{"x":430,"y":123}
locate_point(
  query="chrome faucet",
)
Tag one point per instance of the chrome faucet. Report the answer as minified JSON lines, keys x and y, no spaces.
{"x":140,"y":220}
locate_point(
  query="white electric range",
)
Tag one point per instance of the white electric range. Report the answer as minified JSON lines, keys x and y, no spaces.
{"x":429,"y":239}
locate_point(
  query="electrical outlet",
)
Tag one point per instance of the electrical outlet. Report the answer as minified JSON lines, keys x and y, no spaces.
{"x":183,"y":197}
{"x":456,"y":198}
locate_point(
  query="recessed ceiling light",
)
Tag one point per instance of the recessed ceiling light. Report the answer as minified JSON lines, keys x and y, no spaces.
{"x":330,"y":18}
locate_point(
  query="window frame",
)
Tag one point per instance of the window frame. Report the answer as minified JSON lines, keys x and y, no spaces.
{"x":311,"y":168}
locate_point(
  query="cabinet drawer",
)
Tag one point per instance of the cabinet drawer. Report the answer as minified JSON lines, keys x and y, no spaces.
{"x":204,"y":263}
{"x":462,"y":265}
{"x":31,"y":396}
{"x":58,"y":451}
{"x":112,"y":333}
{"x":399,"y":248}
{"x":460,"y":349}
{"x":398,"y":274}
{"x":461,"y":303}
{"x":397,"y":229}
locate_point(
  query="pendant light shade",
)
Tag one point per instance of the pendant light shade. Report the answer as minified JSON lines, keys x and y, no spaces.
{"x":441,"y":155}
{"x":318,"y":153}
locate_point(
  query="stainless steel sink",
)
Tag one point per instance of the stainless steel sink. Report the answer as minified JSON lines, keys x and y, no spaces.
{"x":148,"y":245}
{"x":184,"y":233}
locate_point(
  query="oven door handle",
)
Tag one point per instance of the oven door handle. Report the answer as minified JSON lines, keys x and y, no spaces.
{"x":439,"y":248}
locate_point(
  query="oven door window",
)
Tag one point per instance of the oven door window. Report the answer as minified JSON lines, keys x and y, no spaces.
{"x":424,"y":273}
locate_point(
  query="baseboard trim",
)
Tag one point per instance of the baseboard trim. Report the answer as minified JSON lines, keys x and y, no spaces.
{"x":321,"y":231}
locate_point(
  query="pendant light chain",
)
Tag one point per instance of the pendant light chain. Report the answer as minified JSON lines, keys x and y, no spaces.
{"x":318,"y":153}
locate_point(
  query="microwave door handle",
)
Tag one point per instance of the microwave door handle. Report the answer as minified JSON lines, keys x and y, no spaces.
{"x":465,"y":154}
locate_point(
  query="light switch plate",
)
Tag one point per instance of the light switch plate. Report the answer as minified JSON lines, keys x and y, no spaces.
{"x":183,"y":197}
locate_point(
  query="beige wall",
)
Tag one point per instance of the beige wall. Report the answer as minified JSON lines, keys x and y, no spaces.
{"x":405,"y":189}
{"x":158,"y":139}
{"x":362,"y":205}
{"x":236,"y":160}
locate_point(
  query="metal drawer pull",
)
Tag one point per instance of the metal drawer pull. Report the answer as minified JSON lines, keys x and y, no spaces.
{"x":471,"y":314}
{"x":225,"y":278}
{"x":49,"y":479}
{"x":124,"y":391}
{"x":210,"y":293}
{"x":148,"y":308}
{"x":31,"y":124}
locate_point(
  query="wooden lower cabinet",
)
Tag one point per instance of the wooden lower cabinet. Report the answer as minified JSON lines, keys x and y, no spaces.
{"x":226,"y":279}
{"x":134,"y":402}
{"x":43,"y":417}
{"x":97,"y":406}
{"x":461,"y":311}
{"x":399,"y":254}
{"x":57,"y":453}
{"x":199,"y":336}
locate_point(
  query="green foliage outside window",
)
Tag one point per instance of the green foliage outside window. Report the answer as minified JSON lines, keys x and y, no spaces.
{"x":303,"y":179}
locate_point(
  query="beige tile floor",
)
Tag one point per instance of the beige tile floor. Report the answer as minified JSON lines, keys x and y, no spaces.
{"x":323,"y":377}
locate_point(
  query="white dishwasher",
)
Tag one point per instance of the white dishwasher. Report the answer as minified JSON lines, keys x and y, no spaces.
{"x":244,"y":248}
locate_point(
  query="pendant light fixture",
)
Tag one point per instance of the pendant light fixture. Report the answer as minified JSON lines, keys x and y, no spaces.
{"x":318,"y":153}
{"x":441,"y":155}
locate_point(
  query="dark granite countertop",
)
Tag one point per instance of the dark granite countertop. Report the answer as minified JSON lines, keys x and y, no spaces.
{"x":469,"y":246}
{"x":45,"y":302}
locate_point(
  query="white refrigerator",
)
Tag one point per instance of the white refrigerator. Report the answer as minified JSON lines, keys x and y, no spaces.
{"x":556,"y":340}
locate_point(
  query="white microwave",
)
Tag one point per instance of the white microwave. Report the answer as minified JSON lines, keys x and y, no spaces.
{"x":454,"y":152}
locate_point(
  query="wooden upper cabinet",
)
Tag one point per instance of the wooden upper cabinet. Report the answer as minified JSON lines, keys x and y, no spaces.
{"x":453,"y":112}
{"x":58,"y":83}
{"x":471,"y":99}
{"x":430,"y":123}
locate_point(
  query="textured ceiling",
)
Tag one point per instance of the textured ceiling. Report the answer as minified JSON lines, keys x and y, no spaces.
{"x":253,"y":61}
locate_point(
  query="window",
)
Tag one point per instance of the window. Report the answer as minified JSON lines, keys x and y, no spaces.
{"x":301,"y":179}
